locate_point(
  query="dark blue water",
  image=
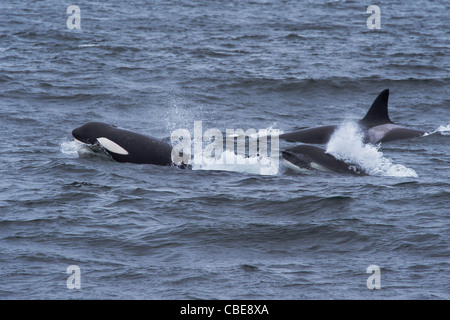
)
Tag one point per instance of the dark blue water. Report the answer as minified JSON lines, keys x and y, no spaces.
{"x":153,"y":232}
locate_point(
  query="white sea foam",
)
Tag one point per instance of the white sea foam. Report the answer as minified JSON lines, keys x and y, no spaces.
{"x":71,"y":148}
{"x":346,"y":144}
{"x":75,"y":149}
{"x":88,"y":45}
{"x":444,"y":130}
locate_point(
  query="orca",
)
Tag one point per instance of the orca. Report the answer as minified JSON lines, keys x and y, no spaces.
{"x":306,"y":159}
{"x":376,"y":126}
{"x":124,"y":145}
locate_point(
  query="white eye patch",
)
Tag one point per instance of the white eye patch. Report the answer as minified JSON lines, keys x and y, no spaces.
{"x":111,"y":146}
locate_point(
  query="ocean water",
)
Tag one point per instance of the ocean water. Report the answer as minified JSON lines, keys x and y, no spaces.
{"x":222,"y":232}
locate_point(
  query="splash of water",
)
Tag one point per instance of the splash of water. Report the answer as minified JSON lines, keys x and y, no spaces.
{"x":70,"y":148}
{"x":346,"y":144}
{"x":444,"y":130}
{"x":75,"y":149}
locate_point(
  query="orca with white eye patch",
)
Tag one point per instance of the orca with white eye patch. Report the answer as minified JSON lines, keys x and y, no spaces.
{"x":124,"y":145}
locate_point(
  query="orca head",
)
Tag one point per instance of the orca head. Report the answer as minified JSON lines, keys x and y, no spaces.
{"x":90,"y":132}
{"x":94,"y":133}
{"x":378,"y":112}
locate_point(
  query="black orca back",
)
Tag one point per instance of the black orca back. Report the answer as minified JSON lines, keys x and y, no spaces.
{"x":141,"y":148}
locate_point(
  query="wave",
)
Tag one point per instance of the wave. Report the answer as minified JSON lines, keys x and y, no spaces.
{"x":347,"y":145}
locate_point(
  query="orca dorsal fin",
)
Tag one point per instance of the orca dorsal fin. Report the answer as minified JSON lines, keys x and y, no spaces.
{"x":378,"y":112}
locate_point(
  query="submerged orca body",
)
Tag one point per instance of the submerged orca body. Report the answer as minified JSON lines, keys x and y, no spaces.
{"x":376,"y":125}
{"x":124,"y":145}
{"x":310,"y":158}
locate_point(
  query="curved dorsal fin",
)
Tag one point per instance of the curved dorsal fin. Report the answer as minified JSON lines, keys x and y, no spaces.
{"x":378,"y":112}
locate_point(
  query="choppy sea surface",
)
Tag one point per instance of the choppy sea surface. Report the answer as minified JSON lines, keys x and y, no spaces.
{"x":157,"y":232}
